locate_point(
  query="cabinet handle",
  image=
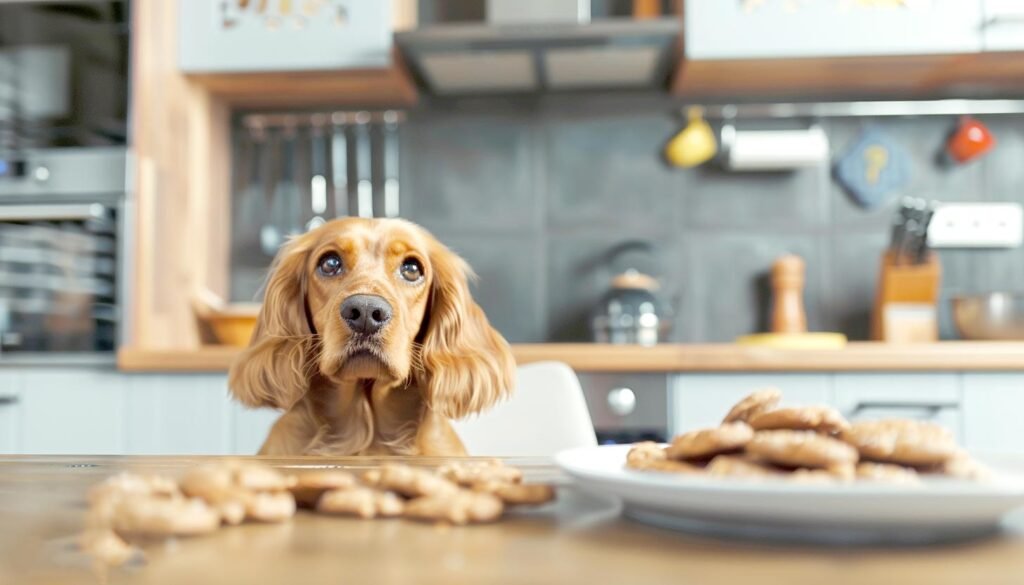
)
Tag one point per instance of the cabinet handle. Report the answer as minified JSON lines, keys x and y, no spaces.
{"x":929,"y":408}
{"x":8,"y":399}
{"x":1009,"y":18}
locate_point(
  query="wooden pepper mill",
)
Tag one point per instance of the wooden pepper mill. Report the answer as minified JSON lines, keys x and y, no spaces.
{"x":788,"y":278}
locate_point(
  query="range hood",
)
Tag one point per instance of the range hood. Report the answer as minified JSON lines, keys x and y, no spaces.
{"x":476,"y":58}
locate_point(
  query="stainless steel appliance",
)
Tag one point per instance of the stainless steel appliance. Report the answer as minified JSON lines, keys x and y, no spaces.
{"x":627,"y":407}
{"x":632,"y":311}
{"x":63,"y":73}
{"x":59,"y":249}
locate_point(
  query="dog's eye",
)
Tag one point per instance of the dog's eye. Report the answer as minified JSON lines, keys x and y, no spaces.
{"x":411,"y":269}
{"x":329,"y":264}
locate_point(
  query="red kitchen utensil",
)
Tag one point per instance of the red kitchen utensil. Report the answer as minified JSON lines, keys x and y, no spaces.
{"x":970,"y":140}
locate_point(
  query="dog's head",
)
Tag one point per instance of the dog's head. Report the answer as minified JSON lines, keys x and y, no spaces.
{"x":380,"y":300}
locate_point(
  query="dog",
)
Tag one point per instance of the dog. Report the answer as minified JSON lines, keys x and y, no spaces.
{"x":369,"y":340}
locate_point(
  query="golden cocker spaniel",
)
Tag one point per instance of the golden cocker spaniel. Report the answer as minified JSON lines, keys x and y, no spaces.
{"x":370,"y":342}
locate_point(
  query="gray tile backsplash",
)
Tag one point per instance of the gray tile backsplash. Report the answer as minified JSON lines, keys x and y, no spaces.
{"x":534,"y":191}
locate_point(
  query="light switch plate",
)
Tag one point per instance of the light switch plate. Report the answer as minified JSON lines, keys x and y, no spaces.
{"x":977,"y":225}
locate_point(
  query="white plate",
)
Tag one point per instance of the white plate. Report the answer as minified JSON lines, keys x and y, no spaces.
{"x":937,"y":510}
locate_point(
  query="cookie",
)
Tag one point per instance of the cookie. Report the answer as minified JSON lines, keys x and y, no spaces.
{"x":704,"y":443}
{"x":645,"y":451}
{"x":162,"y":516}
{"x":240,"y":491}
{"x":411,"y":482}
{"x":886,"y":473}
{"x":269,"y":506}
{"x":460,"y":507}
{"x":664,"y":466}
{"x":755,"y":403}
{"x":107,"y":548}
{"x":802,"y":448}
{"x":961,"y":466}
{"x":467,"y":474}
{"x":308,"y":486}
{"x":130,"y":483}
{"x":823,"y":419}
{"x":518,"y":494}
{"x":906,"y":442}
{"x":360,"y":501}
{"x":741,"y":466}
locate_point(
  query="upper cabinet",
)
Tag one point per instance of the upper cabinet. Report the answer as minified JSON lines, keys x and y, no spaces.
{"x":774,"y":29}
{"x":1002,"y":26}
{"x":242,"y":35}
{"x":254,"y":53}
{"x":795,"y":48}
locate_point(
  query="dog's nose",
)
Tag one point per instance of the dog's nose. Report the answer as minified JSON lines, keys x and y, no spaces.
{"x":365,"y":313}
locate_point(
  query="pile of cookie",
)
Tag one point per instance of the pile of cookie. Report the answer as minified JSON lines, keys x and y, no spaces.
{"x":758,"y":439}
{"x":131,"y":508}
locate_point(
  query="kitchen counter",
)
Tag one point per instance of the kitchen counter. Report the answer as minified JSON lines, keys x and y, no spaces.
{"x":579,"y":539}
{"x":724,"y":357}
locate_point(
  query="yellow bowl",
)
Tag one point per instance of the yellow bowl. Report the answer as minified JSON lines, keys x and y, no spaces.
{"x":234,"y":330}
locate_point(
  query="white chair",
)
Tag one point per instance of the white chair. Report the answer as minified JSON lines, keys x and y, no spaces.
{"x":546,"y":413}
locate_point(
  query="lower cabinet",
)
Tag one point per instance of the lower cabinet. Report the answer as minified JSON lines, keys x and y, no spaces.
{"x":993,"y":408}
{"x":101,"y":411}
{"x":982,"y":409}
{"x":701,"y":400}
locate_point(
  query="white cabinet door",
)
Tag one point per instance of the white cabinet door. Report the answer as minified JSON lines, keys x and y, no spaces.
{"x":251,"y":427}
{"x":725,"y":29}
{"x":72,"y":411}
{"x":933,"y":397}
{"x":10,"y":409}
{"x":993,"y":404}
{"x":1003,"y":25}
{"x":701,"y":400}
{"x":180,"y":414}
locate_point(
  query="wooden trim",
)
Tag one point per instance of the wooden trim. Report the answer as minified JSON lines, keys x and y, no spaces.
{"x":590,"y":357}
{"x":905,"y":75}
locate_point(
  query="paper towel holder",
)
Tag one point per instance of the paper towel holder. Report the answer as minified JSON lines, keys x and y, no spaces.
{"x":752,"y":150}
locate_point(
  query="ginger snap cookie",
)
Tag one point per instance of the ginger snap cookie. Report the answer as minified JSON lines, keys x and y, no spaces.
{"x":754,"y":403}
{"x":741,"y":466}
{"x":310,"y":485}
{"x":907,"y":442}
{"x":704,"y":443}
{"x":886,"y":473}
{"x":645,"y":451}
{"x":801,"y":448}
{"x":823,"y":419}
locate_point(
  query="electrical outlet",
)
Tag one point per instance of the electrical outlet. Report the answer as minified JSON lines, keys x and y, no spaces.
{"x":977,"y":225}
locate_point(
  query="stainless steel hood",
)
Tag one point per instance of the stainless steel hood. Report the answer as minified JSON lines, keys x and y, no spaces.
{"x":509,"y":58}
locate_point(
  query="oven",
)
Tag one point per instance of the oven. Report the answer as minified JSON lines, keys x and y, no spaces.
{"x":64,"y":95}
{"x":59,"y":246}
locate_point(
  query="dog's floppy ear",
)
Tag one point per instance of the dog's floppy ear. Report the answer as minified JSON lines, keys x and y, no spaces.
{"x":467,"y":366}
{"x":273,"y":370}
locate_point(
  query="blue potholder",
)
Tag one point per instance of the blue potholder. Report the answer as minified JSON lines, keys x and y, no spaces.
{"x":873,"y":168}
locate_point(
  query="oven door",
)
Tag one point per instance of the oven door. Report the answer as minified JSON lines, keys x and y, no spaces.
{"x":58,"y":273}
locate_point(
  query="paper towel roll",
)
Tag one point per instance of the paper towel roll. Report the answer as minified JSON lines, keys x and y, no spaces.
{"x":773,"y":150}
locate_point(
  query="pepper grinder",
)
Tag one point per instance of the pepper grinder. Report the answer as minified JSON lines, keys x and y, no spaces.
{"x":788,"y":277}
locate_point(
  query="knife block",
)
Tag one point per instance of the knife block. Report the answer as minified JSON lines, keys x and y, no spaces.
{"x":906,"y":303}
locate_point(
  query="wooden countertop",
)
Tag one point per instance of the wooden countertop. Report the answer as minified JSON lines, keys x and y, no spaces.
{"x":579,"y":539}
{"x":725,"y":357}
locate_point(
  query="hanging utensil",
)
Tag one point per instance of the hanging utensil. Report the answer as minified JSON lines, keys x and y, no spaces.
{"x":252,"y":199}
{"x":270,"y":235}
{"x":318,"y":175}
{"x":364,"y":170}
{"x":339,"y":165}
{"x":391,"y":194}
